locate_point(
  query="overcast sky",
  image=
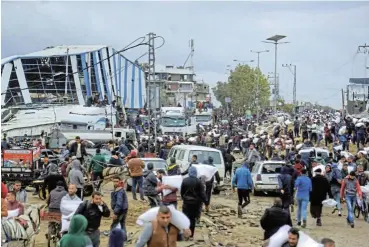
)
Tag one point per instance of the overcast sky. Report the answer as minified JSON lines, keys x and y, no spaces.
{"x":324,"y":36}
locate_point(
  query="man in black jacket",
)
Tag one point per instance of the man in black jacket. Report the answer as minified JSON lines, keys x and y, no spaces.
{"x":274,"y":218}
{"x":320,"y":189}
{"x":193,"y":195}
{"x":78,"y":149}
{"x":93,"y":210}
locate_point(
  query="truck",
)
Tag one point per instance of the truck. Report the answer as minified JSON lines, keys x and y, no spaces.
{"x":173,"y":122}
{"x":204,"y":118}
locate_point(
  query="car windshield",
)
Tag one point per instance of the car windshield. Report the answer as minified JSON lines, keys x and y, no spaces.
{"x":202,"y":156}
{"x":271,"y":168}
{"x":324,"y":154}
{"x":173,"y":121}
{"x":203,"y":118}
{"x":305,"y":155}
{"x":158,"y":164}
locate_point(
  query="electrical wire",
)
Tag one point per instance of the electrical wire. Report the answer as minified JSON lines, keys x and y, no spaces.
{"x":126,"y":48}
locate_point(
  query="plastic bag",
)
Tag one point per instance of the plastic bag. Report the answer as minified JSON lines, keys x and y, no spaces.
{"x":205,"y":170}
{"x":306,"y":241}
{"x":342,"y":130}
{"x":12,"y":213}
{"x":173,"y":181}
{"x":280,"y":237}
{"x":329,"y":203}
{"x":178,"y":219}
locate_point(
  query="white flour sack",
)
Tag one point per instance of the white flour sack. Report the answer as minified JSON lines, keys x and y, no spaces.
{"x":329,"y":203}
{"x":205,"y":170}
{"x":67,"y":208}
{"x":179,"y":220}
{"x":173,"y":181}
{"x":280,"y":237}
{"x":306,"y":241}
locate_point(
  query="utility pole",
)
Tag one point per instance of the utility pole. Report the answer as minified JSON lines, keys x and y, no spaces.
{"x":152,"y":81}
{"x":275,"y":40}
{"x":294,"y":79}
{"x":365,"y":50}
{"x":258,"y":86}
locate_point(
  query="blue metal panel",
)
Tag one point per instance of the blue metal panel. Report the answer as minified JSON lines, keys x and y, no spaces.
{"x":85,"y":75}
{"x":125,"y":81}
{"x":133,"y":86}
{"x":140,"y":88}
{"x":105,"y":70}
{"x":120,"y":75}
{"x":97,"y":78}
{"x":115,"y":72}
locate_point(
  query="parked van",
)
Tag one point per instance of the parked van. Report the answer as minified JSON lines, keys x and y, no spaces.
{"x":184,"y":153}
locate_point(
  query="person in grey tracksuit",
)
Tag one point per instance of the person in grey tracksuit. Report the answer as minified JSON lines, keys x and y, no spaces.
{"x":76,"y":177}
{"x":149,"y":186}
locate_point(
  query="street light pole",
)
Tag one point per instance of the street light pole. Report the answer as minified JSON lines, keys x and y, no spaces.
{"x":275,"y":40}
{"x":258,"y":85}
{"x":294,"y":79}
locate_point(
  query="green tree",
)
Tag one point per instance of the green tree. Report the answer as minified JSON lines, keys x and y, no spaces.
{"x":242,"y":89}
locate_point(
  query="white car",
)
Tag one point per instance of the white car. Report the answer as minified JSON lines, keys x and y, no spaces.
{"x":265,"y":176}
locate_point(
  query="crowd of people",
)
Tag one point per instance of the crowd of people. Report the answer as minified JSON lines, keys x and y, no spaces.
{"x":302,"y":180}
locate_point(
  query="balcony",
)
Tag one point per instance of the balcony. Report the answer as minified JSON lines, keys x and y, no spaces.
{"x":179,"y":87}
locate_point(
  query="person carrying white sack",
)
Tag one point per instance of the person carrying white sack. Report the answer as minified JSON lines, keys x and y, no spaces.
{"x":171,"y":198}
{"x":160,"y":232}
{"x":66,"y":209}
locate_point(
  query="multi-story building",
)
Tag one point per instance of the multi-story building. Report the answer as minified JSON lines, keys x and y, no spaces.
{"x":180,"y":86}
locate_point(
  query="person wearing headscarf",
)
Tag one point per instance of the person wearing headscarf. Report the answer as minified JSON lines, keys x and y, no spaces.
{"x":4,"y":193}
{"x":193,"y":195}
{"x":117,"y":238}
{"x":76,"y":236}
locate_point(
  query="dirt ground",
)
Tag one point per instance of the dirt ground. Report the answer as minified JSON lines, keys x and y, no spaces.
{"x":222,"y":227}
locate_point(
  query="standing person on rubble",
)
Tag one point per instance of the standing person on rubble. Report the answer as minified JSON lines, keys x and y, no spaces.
{"x":243,"y":182}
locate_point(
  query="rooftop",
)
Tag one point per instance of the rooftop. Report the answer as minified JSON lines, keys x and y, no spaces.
{"x":55,"y":51}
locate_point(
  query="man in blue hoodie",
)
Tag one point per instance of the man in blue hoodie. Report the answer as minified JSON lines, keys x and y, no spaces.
{"x":243,"y":182}
{"x":304,"y":187}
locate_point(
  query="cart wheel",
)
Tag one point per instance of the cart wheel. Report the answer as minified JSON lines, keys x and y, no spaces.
{"x":88,"y":190}
{"x":357,"y":211}
{"x":40,"y":195}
